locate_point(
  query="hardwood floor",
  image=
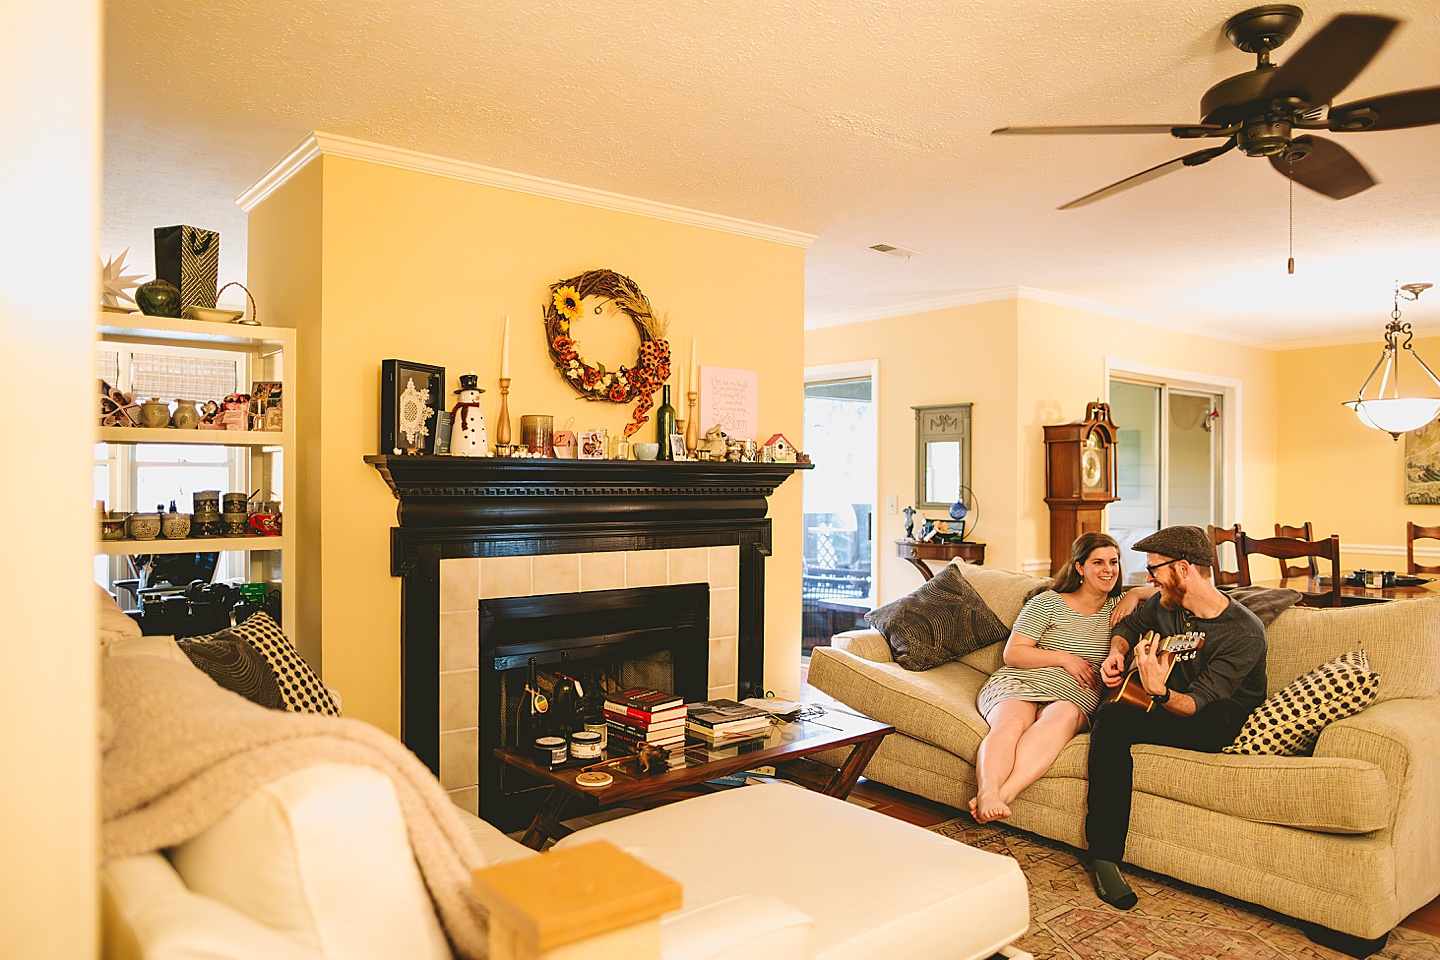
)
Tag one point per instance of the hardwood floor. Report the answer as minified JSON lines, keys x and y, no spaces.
{"x":927,"y":813}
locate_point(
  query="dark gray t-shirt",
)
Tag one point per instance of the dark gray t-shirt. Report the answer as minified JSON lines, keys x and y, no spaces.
{"x":1230,"y":663}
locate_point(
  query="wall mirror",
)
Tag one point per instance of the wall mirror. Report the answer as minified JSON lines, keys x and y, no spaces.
{"x":942,"y":454}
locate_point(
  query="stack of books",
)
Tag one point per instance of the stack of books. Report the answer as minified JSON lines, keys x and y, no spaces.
{"x":725,"y":722}
{"x":643,"y":716}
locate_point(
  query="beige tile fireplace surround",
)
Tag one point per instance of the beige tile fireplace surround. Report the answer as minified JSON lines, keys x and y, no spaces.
{"x":465,"y":582}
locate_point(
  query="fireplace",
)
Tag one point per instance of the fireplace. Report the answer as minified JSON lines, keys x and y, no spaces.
{"x":610,"y":640}
{"x":557,"y":526}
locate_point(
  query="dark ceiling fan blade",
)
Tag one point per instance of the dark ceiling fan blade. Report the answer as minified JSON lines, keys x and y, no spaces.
{"x":1330,"y":59}
{"x":1154,"y":173}
{"x":1390,"y":111}
{"x":1185,"y":131}
{"x":1326,"y":167}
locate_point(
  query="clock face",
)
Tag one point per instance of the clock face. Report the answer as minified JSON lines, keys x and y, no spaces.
{"x":1092,"y":464}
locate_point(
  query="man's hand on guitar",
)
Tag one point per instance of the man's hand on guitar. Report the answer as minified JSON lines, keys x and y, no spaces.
{"x":1154,"y":670}
{"x":1112,"y":671}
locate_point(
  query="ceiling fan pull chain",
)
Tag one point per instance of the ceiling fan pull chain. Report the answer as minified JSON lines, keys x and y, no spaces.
{"x":1290,"y":178}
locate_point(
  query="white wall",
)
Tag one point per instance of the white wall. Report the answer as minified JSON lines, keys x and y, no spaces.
{"x":49,"y":205}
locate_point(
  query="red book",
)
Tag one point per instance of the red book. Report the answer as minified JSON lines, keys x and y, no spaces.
{"x":644,"y":698}
{"x":637,"y":715}
{"x":615,"y":719}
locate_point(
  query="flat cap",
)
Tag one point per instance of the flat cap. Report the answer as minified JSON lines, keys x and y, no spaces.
{"x":1180,"y":543}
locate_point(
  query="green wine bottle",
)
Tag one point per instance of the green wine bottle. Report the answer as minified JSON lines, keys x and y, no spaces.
{"x":665,"y":425}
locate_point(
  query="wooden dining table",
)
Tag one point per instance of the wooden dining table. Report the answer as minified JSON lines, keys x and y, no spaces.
{"x":1353,"y":595}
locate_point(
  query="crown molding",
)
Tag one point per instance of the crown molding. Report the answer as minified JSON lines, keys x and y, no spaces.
{"x":332,"y":145}
{"x":970,"y":298}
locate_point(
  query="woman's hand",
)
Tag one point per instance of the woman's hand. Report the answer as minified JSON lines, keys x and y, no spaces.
{"x":1129,"y":602}
{"x":1080,"y":669}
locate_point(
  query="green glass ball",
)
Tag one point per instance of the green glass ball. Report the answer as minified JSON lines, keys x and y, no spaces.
{"x":158,"y":298}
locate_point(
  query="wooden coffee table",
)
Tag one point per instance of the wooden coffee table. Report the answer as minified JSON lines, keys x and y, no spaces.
{"x":789,"y":746}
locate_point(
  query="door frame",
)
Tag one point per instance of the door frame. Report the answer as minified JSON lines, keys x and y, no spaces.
{"x":859,"y":370}
{"x":1230,"y":391}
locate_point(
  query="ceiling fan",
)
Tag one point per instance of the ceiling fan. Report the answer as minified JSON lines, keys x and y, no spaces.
{"x":1261,"y":110}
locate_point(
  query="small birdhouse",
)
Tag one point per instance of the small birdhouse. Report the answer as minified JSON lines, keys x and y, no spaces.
{"x":779,"y":450}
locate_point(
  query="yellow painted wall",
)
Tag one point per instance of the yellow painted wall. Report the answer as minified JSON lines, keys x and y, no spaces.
{"x":424,"y":268}
{"x":1024,"y":364}
{"x":1063,"y":356}
{"x":284,"y":249}
{"x":1342,"y":476}
{"x":49,"y":747}
{"x":958,"y":355}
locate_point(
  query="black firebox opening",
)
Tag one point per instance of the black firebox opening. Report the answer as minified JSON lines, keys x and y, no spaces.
{"x":610,"y":640}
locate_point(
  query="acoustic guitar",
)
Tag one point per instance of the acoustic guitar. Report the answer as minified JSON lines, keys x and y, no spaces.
{"x":1185,"y":646}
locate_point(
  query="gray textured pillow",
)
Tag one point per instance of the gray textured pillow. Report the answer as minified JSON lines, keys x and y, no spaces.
{"x":942,"y":620}
{"x":237,"y":666}
{"x":1267,"y":603}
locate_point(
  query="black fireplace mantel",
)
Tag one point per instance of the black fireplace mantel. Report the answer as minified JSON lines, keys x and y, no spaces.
{"x":459,"y":491}
{"x":456,"y":507}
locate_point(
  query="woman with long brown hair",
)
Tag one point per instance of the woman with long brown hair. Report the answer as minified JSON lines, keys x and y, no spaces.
{"x":1050,"y":684}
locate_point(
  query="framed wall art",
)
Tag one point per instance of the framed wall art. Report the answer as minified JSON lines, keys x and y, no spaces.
{"x":1422,"y":464}
{"x":411,"y":395}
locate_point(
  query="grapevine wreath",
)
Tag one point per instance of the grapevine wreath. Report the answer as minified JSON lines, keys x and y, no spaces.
{"x":637,"y":382}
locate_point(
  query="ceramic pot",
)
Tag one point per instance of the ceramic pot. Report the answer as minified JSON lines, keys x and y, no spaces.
{"x":235,"y":524}
{"x":206,"y":501}
{"x":265,"y":524}
{"x":112,"y":529}
{"x":206,"y":524}
{"x":158,"y":298}
{"x":187,"y":416}
{"x":143,"y":526}
{"x":154,"y":413}
{"x":236,"y":503}
{"x":175,"y":526}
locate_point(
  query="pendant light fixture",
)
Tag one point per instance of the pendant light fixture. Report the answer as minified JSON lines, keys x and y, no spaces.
{"x":1395,"y":414}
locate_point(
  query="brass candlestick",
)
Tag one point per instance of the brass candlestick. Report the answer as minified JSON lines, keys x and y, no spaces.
{"x":502,"y":428}
{"x":692,"y":431}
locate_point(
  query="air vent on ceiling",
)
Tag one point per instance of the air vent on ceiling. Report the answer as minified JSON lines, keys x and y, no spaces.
{"x":894,"y":251}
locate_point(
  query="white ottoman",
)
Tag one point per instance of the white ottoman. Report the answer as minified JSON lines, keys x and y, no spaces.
{"x":873,"y":885}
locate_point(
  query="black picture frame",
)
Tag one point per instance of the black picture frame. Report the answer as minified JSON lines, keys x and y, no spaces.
{"x":394,"y":375}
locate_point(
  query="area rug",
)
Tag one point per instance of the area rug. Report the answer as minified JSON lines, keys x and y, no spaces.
{"x":1173,"y":921}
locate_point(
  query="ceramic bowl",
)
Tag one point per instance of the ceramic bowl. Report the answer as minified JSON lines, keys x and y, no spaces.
{"x":112,"y":529}
{"x":175,"y":526}
{"x":647,"y":451}
{"x":235,"y":524}
{"x":143,"y":526}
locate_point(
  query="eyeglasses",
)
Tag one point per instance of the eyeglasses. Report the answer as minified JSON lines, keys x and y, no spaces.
{"x":1151,"y":569}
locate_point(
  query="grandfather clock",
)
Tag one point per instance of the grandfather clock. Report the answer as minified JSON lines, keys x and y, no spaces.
{"x":1079,"y":478}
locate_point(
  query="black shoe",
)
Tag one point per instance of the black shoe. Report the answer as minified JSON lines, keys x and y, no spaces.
{"x":1111,"y":887}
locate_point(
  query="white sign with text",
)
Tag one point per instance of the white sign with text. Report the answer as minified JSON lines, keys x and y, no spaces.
{"x":730,"y":398}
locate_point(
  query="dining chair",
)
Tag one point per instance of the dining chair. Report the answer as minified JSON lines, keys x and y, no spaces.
{"x":1219,"y":535}
{"x":1302,"y":532}
{"x":1286,"y":548}
{"x":1413,"y":532}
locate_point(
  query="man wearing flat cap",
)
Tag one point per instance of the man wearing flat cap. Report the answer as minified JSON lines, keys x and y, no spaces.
{"x":1196,"y":704}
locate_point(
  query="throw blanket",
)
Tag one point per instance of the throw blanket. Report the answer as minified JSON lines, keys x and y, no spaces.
{"x":180,"y":753}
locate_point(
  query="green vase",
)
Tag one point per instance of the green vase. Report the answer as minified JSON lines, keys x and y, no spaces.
{"x":158,"y":298}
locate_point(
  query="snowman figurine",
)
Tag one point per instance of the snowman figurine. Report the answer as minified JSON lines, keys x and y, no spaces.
{"x":467,"y":432}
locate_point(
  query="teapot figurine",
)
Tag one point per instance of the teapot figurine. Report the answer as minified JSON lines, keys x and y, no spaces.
{"x":154,"y":413}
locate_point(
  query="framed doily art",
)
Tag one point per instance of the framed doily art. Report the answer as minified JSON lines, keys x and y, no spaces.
{"x":636,"y":380}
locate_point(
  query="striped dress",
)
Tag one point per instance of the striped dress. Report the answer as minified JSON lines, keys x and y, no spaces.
{"x":1054,"y":626}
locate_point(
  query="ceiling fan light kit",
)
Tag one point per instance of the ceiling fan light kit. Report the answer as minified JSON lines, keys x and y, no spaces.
{"x":1396,"y":414}
{"x":1265,"y":111}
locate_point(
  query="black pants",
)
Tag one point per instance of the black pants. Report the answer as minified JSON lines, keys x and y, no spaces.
{"x":1118,"y":726}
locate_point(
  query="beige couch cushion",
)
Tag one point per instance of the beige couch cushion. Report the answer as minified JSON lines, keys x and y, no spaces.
{"x":1399,"y":638}
{"x":1003,"y":592}
{"x":1326,"y":794}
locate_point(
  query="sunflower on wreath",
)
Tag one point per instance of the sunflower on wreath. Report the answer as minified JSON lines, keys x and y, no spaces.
{"x":637,"y":382}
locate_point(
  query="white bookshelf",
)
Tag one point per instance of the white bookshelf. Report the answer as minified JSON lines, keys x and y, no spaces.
{"x":271,"y":356}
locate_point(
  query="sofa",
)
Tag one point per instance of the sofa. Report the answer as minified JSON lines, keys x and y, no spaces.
{"x":318,"y":863}
{"x":1345,"y":839}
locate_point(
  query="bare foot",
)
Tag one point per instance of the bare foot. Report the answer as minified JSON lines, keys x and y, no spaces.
{"x":988,"y":807}
{"x":973,"y":811}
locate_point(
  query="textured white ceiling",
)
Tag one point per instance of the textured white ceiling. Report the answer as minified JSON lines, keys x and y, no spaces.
{"x":859,"y":121}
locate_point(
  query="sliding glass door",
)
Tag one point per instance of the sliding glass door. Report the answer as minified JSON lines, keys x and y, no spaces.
{"x":1169,"y":462}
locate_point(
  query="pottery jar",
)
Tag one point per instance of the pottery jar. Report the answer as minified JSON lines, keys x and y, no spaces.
{"x":154,"y":413}
{"x":175,"y":526}
{"x":187,"y":415}
{"x":143,"y":526}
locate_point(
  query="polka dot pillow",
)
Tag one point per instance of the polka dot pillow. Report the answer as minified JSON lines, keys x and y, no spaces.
{"x":1289,"y":722}
{"x":300,"y":689}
